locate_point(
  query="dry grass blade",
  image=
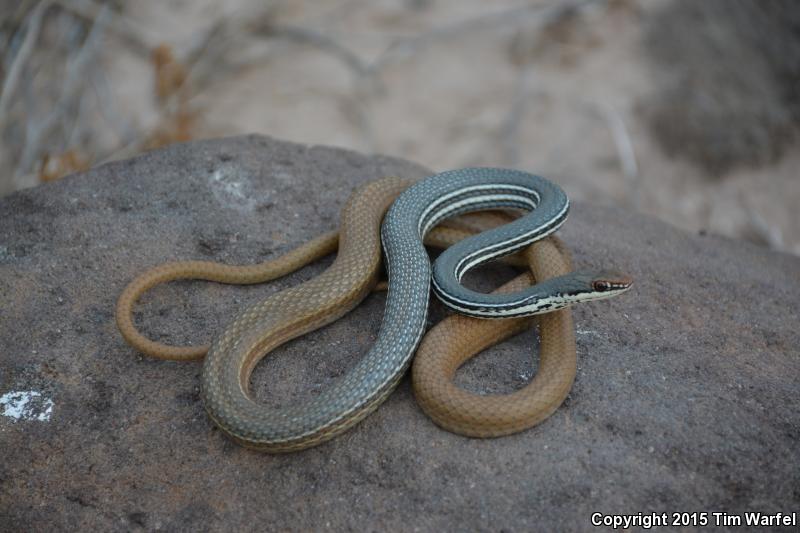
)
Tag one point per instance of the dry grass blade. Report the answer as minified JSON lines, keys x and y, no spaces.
{"x":37,"y":132}
{"x":625,"y":152}
{"x":120,"y":25}
{"x":508,"y":20}
{"x":34,"y":25}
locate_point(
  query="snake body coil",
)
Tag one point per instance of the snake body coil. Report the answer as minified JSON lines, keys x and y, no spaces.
{"x":257,"y":330}
{"x":295,"y":311}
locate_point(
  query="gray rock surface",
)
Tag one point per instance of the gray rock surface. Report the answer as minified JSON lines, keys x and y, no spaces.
{"x":725,"y":73}
{"x":686,"y":396}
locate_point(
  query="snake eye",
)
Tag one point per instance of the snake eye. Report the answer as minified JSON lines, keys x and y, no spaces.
{"x":601,"y":286}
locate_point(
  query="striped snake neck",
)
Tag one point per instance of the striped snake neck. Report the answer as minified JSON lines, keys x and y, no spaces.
{"x":548,"y":208}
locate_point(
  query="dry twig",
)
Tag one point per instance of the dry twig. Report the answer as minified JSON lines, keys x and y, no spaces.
{"x":622,"y":142}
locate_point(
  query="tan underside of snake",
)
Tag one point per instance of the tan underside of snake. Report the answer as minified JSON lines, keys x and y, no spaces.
{"x":444,"y":348}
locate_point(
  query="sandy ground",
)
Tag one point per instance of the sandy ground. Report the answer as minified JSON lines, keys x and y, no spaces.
{"x":535,"y":85}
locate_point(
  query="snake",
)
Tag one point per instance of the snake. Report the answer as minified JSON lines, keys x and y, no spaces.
{"x":457,"y":338}
{"x":415,"y":210}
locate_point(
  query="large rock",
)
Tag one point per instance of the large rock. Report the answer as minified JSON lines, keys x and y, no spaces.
{"x":686,"y":396}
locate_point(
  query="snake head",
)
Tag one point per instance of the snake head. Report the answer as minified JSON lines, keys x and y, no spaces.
{"x":588,"y":285}
{"x":611,"y":280}
{"x":607,"y":283}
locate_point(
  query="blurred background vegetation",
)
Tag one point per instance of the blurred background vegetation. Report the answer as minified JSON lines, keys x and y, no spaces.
{"x":686,"y":110}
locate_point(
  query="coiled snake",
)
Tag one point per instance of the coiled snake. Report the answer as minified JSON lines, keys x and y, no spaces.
{"x":295,"y":311}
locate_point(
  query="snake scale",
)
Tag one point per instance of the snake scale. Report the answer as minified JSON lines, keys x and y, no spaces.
{"x":295,"y":311}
